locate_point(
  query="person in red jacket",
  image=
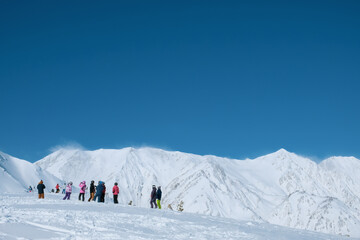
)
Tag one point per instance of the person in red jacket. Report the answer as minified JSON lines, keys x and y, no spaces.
{"x":116,"y":192}
{"x":57,"y":188}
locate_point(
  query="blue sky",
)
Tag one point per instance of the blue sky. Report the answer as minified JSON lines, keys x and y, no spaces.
{"x":229,"y":78}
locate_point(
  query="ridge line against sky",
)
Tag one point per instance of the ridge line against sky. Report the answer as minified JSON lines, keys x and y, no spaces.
{"x":231,"y":78}
{"x":78,"y":147}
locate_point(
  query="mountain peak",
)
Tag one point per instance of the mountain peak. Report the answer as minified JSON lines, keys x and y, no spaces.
{"x":282,"y":151}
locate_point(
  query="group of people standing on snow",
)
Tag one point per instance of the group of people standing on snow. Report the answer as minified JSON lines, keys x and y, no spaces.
{"x":98,"y":192}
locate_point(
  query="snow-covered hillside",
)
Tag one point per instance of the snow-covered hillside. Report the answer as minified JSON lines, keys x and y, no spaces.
{"x":17,"y":175}
{"x":281,"y":188}
{"x":23,"y":216}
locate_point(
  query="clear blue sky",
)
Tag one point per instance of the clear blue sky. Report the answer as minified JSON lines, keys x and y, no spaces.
{"x":230,"y":78}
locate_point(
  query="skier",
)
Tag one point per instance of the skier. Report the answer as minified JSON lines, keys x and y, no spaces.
{"x":57,"y":188}
{"x":92,"y":191}
{"x":99,"y":190}
{"x":158,"y":197}
{"x":40,"y":188}
{"x":68,"y":191}
{"x":116,"y":192}
{"x":30,"y":189}
{"x":103,"y":193}
{"x":153,"y":197}
{"x":82,"y":186}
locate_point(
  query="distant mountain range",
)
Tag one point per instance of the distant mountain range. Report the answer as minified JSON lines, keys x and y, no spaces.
{"x":17,"y":175}
{"x":280,"y":188}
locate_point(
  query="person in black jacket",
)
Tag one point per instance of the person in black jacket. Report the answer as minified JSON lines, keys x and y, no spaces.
{"x":158,"y":196}
{"x":40,"y":188}
{"x":103,"y":193}
{"x":153,"y":197}
{"x":92,"y":191}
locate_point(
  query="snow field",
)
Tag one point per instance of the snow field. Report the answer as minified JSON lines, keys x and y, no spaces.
{"x":23,"y":216}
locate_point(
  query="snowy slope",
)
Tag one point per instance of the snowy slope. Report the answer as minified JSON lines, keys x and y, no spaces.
{"x":324,"y":214}
{"x":17,"y":175}
{"x":281,"y":188}
{"x":22,"y":216}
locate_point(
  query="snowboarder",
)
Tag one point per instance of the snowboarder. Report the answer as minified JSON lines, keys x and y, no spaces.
{"x":116,"y":192}
{"x":92,"y":191}
{"x":158,"y":197}
{"x":40,"y":188}
{"x":68,"y":191}
{"x":153,"y":197}
{"x":82,"y":186}
{"x":57,"y":188}
{"x":99,"y":190}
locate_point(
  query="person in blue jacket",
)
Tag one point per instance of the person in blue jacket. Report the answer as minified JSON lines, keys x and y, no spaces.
{"x":99,"y":191}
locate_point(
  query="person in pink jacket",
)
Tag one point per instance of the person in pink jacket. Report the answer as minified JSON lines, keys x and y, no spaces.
{"x":82,"y":186}
{"x":68,"y":191}
{"x":115,"y":192}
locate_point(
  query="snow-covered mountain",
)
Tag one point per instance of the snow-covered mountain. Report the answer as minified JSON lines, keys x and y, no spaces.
{"x":280,"y":188}
{"x":17,"y":175}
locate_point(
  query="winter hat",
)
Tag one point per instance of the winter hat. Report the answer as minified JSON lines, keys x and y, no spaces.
{"x":70,"y":183}
{"x":116,"y":183}
{"x":159,"y":186}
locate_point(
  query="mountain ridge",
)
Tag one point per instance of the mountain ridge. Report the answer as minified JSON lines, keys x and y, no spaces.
{"x":18,"y":174}
{"x":278,"y":188}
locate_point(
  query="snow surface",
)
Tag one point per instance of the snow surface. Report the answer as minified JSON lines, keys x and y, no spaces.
{"x":23,"y":216}
{"x":279,"y":188}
